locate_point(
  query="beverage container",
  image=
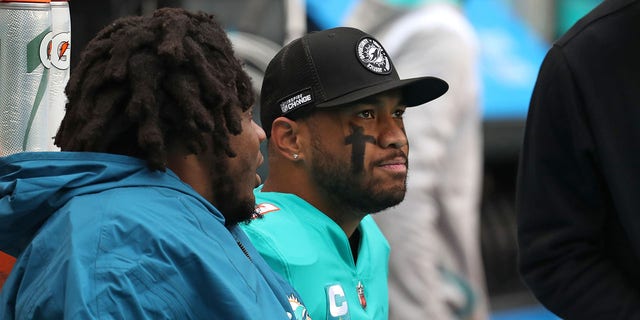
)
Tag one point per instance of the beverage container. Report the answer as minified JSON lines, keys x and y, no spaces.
{"x":24,"y":77}
{"x":24,"y":94}
{"x":60,"y":59}
{"x":35,"y":53}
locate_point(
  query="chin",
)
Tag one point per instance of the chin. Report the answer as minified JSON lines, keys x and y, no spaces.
{"x":241,"y":214}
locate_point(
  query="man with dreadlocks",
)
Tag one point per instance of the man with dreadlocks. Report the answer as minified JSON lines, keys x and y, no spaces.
{"x":137,"y":217}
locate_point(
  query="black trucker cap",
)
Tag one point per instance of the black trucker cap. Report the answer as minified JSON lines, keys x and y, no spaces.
{"x":334,"y":67}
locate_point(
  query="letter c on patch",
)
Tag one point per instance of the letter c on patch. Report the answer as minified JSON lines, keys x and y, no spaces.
{"x":337,"y":301}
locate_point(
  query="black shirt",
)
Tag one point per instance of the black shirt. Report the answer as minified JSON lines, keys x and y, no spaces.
{"x":578,"y":189}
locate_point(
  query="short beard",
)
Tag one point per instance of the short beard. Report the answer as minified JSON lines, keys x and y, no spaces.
{"x":234,"y":209}
{"x":350,"y":189}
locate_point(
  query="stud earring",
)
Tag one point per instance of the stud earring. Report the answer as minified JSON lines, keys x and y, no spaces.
{"x":295,"y":156}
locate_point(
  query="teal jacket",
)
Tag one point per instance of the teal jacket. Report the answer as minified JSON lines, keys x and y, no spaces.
{"x":101,"y":236}
{"x":313,"y":253}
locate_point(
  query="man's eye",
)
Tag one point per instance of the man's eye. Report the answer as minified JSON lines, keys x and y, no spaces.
{"x":366,"y":114}
{"x":398,"y":113}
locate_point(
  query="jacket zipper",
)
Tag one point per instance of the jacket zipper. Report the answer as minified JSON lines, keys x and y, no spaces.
{"x":244,"y":250}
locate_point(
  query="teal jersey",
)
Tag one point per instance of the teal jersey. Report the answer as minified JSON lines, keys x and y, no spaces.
{"x":313,"y":253}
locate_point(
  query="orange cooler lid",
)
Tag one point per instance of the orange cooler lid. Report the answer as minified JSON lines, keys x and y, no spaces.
{"x":6,"y":264}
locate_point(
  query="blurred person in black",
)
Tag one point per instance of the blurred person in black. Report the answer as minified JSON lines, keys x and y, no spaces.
{"x":577,"y":191}
{"x":89,"y":17}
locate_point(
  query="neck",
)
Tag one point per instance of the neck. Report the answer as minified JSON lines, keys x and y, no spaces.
{"x":354,"y":242}
{"x":344,"y":216}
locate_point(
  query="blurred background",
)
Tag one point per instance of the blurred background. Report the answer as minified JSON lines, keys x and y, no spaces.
{"x":514,"y":37}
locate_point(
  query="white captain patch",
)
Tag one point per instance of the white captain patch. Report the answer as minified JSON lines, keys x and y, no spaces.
{"x":337,"y":307}
{"x":372,"y":56}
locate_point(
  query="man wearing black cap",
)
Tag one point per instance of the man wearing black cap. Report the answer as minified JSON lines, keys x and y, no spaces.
{"x":332,"y":106}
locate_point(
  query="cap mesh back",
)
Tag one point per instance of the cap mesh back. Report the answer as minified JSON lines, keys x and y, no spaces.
{"x":285,"y":79}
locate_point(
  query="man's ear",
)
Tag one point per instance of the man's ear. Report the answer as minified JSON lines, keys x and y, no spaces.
{"x":285,"y":138}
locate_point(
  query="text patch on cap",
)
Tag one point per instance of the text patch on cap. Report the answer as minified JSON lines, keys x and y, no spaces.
{"x":296,"y":100}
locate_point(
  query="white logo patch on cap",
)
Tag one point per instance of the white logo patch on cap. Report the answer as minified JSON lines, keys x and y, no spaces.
{"x":372,"y":56}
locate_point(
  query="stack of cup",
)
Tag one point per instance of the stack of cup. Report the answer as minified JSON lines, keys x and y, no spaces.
{"x":35,"y":40}
{"x":35,"y":47}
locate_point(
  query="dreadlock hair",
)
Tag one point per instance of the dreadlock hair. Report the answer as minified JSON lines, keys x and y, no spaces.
{"x":144,"y":83}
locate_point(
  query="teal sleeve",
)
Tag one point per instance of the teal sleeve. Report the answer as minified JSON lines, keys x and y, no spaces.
{"x":269,"y":251}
